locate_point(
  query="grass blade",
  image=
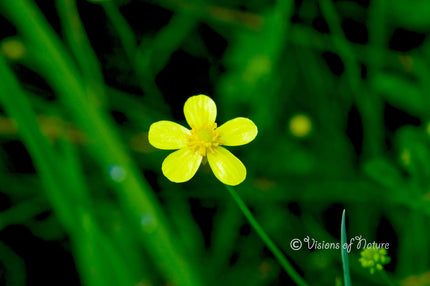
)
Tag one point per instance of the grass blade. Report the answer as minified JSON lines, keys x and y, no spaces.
{"x":344,"y":251}
{"x":136,"y":198}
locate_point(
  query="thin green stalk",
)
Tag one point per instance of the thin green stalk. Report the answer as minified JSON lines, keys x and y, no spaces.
{"x":125,"y":33}
{"x":129,"y":44}
{"x":385,"y":277}
{"x":155,"y":54}
{"x":80,"y":46}
{"x":344,"y":252}
{"x":22,"y":212}
{"x":14,"y":271}
{"x":266,"y":239}
{"x":367,"y":106}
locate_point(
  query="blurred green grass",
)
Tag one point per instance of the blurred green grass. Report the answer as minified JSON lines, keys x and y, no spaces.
{"x":339,"y":92}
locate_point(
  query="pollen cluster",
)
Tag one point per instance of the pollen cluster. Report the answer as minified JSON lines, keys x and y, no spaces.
{"x":204,"y":139}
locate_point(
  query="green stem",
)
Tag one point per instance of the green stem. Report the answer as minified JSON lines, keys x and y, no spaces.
{"x":385,"y":277}
{"x":266,"y":239}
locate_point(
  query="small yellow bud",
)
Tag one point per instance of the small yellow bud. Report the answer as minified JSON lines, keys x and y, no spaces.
{"x":300,"y":125}
{"x":12,"y":49}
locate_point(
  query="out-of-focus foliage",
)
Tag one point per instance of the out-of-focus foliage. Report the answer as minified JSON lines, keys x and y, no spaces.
{"x":339,"y":91}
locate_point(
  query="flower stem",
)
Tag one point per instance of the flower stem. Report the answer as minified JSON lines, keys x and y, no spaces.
{"x":385,"y":277}
{"x":266,"y":239}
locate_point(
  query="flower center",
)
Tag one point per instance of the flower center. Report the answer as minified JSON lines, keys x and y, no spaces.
{"x":204,"y":139}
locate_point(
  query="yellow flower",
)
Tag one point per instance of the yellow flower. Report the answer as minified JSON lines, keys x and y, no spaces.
{"x":203,"y":140}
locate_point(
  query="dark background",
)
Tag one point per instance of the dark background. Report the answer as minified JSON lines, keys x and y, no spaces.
{"x":361,"y":85}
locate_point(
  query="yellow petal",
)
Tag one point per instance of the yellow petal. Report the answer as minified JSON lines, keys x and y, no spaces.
{"x":237,"y":132}
{"x":167,"y":135}
{"x":199,"y":110}
{"x":181,"y":165}
{"x":226,"y":167}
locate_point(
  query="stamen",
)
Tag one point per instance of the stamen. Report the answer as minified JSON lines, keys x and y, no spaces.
{"x":204,"y":139}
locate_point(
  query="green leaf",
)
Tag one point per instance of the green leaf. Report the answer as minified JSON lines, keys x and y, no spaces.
{"x":344,"y":252}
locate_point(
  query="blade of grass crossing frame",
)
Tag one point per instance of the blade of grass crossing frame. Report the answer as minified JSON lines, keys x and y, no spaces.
{"x":135,"y":196}
{"x":16,"y":105}
{"x":344,"y":252}
{"x":64,"y":189}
